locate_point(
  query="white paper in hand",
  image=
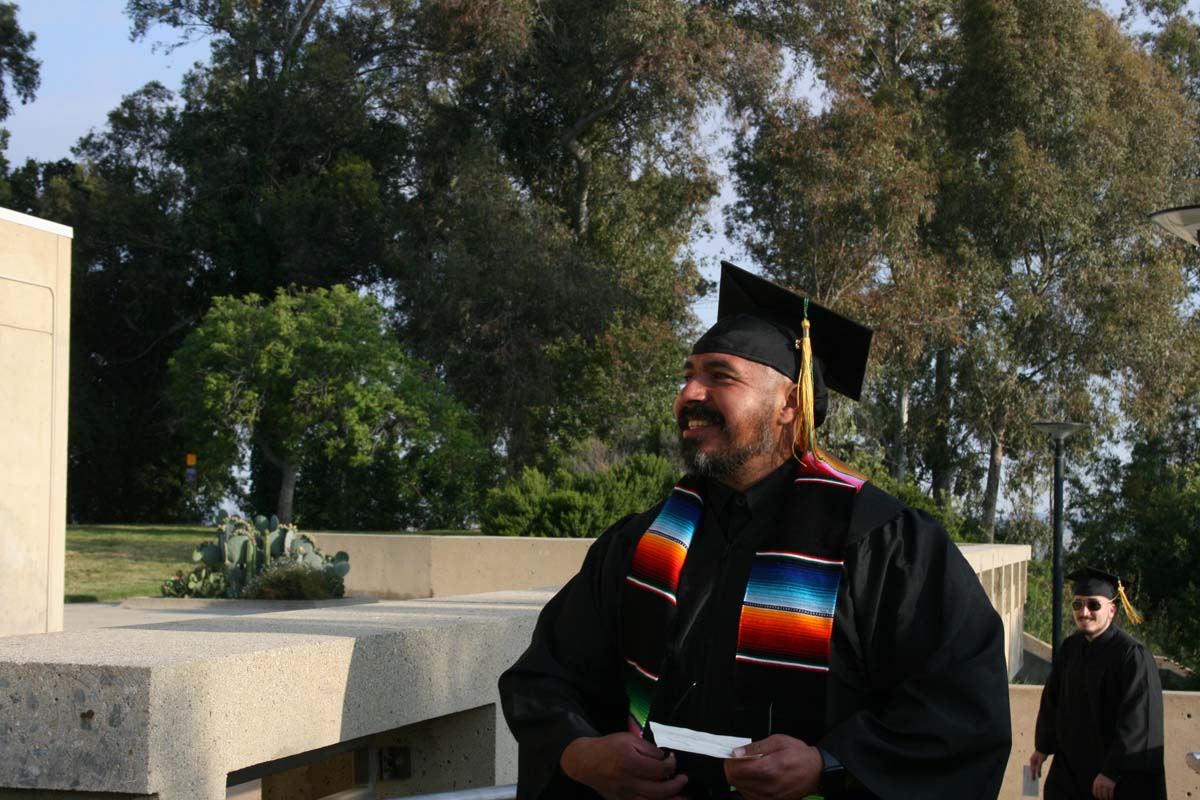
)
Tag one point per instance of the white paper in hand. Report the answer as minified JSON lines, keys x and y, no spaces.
{"x":1030,"y":784}
{"x":670,"y":737}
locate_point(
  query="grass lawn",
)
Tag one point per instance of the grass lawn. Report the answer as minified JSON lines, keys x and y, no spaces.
{"x":111,"y":562}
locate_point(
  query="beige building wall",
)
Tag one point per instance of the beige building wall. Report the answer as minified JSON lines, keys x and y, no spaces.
{"x":35,"y":312}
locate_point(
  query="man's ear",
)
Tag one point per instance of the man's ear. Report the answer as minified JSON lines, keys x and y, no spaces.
{"x":791,"y":407}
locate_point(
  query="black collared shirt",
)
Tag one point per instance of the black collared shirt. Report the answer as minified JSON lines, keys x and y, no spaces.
{"x":733,"y":509}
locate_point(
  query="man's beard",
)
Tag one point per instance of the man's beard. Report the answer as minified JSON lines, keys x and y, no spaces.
{"x":727,"y":460}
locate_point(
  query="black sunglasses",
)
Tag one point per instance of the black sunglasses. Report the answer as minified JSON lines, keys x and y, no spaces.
{"x":1092,"y":605}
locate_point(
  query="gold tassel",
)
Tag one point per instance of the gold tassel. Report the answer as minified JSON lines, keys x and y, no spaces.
{"x":805,"y":436}
{"x":1130,"y":612}
{"x":805,"y":439}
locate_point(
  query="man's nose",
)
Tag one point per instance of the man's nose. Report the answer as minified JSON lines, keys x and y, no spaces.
{"x":693,"y":391}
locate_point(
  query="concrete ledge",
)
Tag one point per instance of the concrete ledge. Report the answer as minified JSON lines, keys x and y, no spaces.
{"x":169,"y":709}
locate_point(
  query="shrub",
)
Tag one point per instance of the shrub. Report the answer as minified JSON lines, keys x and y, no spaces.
{"x":575,"y":504}
{"x":294,"y":580}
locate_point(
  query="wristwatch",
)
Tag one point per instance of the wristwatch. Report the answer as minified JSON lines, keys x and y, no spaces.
{"x":833,"y":775}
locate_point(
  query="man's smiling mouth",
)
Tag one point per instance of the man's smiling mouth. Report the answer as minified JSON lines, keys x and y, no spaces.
{"x":696,"y":419}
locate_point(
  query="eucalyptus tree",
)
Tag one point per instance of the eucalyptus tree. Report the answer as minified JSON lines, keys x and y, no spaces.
{"x":560,"y":180}
{"x":837,"y":200}
{"x":20,"y":75}
{"x":1075,"y":309}
{"x":975,"y":186}
{"x":20,"y":72}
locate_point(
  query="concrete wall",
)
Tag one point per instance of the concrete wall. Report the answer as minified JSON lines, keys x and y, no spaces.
{"x":35,"y":311}
{"x":1181,"y":710}
{"x":1002,"y":571}
{"x":404,"y":566}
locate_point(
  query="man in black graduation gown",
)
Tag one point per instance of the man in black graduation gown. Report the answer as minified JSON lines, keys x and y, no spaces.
{"x":1101,"y":715}
{"x":773,"y":595}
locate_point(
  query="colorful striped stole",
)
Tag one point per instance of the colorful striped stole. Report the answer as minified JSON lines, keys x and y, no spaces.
{"x":787,"y":613}
{"x":653,"y":582}
{"x":787,"y":616}
{"x":786,"y":620}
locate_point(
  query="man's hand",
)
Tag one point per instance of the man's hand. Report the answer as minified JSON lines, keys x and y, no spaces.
{"x":623,"y":766}
{"x":1035,"y":763}
{"x":1103,"y":787}
{"x":788,"y":768}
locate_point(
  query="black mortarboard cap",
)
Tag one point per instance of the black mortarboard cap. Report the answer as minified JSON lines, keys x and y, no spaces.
{"x":1092,"y":582}
{"x":761,"y":321}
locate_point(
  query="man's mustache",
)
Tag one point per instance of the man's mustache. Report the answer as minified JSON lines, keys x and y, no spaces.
{"x":700,"y":413}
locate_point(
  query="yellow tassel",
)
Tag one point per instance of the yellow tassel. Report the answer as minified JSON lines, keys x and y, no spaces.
{"x":1130,"y":612}
{"x":805,"y":437}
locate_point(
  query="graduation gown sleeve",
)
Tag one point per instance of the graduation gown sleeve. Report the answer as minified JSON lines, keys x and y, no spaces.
{"x":1137,"y":745}
{"x":567,"y":683}
{"x":1045,"y":738}
{"x":918,"y":681}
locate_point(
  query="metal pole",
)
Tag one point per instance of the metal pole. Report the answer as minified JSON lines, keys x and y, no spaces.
{"x":1057,"y":602}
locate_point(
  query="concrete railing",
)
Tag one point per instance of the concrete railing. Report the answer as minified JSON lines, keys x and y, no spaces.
{"x":172,"y":710}
{"x":403,"y":566}
{"x":1002,"y":571}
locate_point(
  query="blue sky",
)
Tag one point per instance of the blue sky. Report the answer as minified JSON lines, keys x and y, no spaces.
{"x":88,"y":65}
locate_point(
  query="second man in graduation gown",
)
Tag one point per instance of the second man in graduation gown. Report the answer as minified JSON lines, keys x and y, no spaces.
{"x":1101,"y":716}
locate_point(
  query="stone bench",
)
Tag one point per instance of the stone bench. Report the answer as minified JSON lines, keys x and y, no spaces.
{"x":170,"y":709}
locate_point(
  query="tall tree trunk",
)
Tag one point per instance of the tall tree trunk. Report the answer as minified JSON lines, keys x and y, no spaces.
{"x":583,"y":179}
{"x":939,"y":462}
{"x":901,"y":458}
{"x":287,"y":491}
{"x":992,"y":491}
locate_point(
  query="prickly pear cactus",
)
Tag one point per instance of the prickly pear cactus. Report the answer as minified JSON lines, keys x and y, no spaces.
{"x":244,"y":548}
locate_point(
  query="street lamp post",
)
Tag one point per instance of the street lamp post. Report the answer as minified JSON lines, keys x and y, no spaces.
{"x":1181,"y":221}
{"x":1184,"y":222}
{"x":1058,"y":431}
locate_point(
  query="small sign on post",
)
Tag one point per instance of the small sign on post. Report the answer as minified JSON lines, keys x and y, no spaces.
{"x":189,"y":474}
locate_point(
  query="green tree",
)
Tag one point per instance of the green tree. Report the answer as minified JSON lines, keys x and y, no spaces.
{"x":278,"y":163}
{"x":1141,"y":520}
{"x":1045,"y":203}
{"x":559,"y":183}
{"x":976,"y":189}
{"x":136,"y":291}
{"x":312,"y":377}
{"x":19,"y":70}
{"x":838,"y":201}
{"x":20,"y":75}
